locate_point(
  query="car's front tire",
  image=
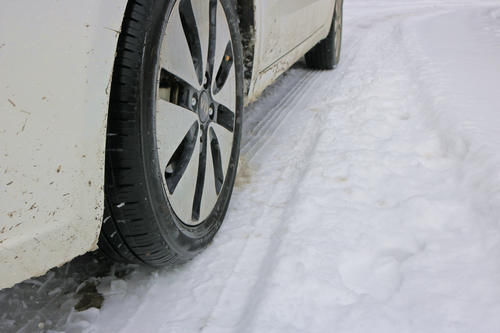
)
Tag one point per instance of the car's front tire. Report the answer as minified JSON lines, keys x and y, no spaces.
{"x":326,"y":54}
{"x":174,"y":129}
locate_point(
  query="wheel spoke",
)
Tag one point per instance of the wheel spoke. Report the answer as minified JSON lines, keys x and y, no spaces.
{"x":172,"y":125}
{"x":225,"y":118}
{"x":200,"y":178}
{"x":210,"y":193}
{"x":224,"y":87}
{"x":181,"y":42}
{"x":183,"y":196}
{"x":216,"y":161}
{"x":192,"y":31}
{"x":224,"y":70}
{"x":225,"y":143}
{"x":223,"y":36}
{"x":180,"y":159}
{"x":227,"y":93}
{"x":203,"y":18}
{"x":176,"y":91}
{"x":212,"y":40}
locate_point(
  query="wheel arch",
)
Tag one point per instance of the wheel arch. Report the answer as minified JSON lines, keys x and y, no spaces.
{"x":246,"y":14}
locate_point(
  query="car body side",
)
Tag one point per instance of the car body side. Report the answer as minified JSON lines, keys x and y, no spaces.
{"x":56,"y":62}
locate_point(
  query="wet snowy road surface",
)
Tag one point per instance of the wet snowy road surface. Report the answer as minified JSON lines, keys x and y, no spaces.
{"x":368,"y":199}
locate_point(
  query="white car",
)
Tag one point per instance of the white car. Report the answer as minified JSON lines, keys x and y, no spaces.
{"x":121,"y":119}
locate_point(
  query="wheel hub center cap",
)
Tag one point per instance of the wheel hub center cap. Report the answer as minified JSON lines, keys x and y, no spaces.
{"x":204,"y":107}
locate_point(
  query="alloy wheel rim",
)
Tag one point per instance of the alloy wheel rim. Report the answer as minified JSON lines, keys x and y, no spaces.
{"x":195,"y":109}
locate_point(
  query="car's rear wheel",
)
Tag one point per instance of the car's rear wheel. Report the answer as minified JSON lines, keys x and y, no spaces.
{"x":326,"y":54}
{"x":174,"y":129}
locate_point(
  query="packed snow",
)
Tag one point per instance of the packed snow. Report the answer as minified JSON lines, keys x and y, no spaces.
{"x":367,"y":200}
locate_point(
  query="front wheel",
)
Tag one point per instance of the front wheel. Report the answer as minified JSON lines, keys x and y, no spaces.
{"x":174,"y":129}
{"x":326,"y":54}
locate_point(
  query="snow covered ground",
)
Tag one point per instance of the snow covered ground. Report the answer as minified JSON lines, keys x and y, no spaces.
{"x":368,"y":199}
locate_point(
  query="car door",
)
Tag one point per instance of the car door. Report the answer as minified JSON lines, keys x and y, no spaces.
{"x":285,"y":24}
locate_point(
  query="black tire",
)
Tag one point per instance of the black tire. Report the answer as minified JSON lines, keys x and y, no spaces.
{"x":326,"y":55}
{"x":139,"y":224}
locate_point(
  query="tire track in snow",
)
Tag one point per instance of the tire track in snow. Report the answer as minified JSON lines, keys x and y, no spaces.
{"x":257,"y":292}
{"x":304,"y":96}
{"x":298,"y":96}
{"x":372,"y":267}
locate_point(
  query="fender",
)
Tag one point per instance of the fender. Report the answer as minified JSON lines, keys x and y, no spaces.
{"x":56,"y":60}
